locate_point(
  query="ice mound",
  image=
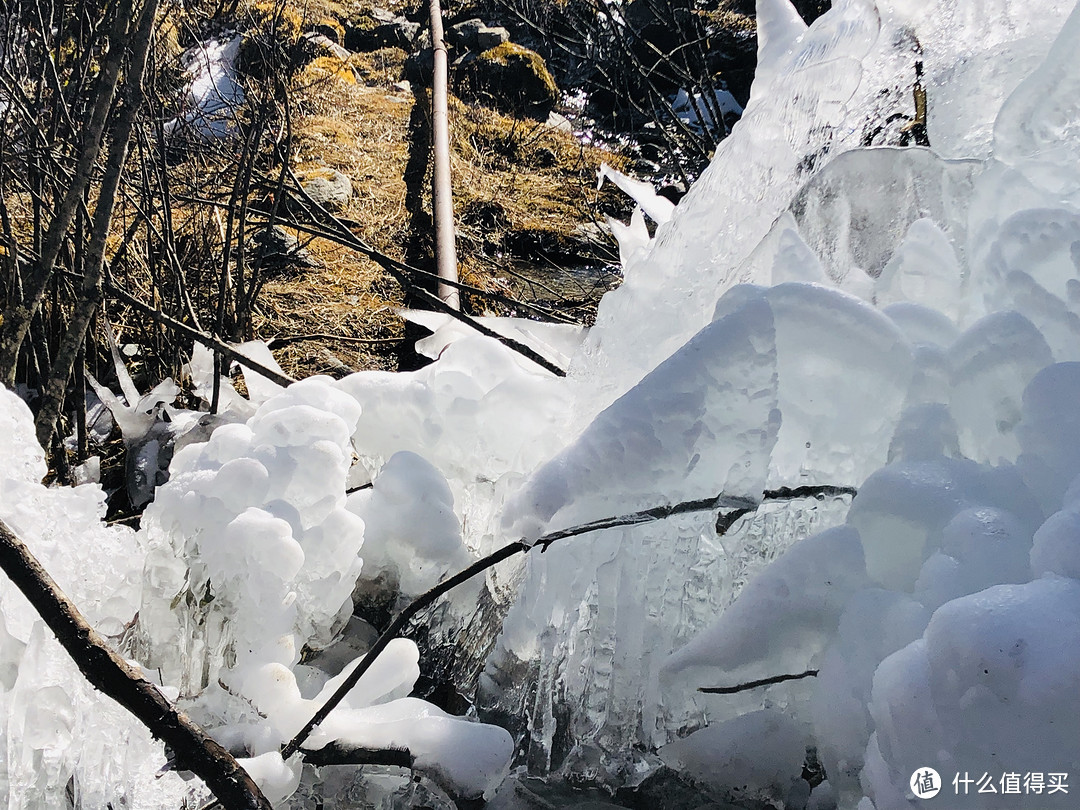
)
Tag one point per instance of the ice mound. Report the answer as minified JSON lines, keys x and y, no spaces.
{"x":411,"y":533}
{"x":899,"y":320}
{"x":990,"y":687}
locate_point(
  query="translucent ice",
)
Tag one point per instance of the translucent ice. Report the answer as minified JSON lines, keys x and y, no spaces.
{"x":758,"y":755}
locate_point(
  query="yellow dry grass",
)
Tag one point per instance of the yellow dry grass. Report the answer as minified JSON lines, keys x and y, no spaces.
{"x":515,"y":182}
{"x":361,"y":131}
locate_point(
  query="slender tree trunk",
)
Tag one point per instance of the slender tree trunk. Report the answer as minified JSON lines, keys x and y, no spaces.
{"x":443,"y":202}
{"x":94,"y":268}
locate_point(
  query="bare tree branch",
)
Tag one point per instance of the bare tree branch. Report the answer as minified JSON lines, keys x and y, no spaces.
{"x":745,"y":687}
{"x":200,"y":337}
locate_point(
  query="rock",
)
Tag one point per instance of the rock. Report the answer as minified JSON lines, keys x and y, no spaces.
{"x":510,"y":78}
{"x":559,"y":122}
{"x":321,"y":45}
{"x":476,"y":35}
{"x":491,"y":37}
{"x":332,"y":30}
{"x":464,"y":34}
{"x":379,"y":28}
{"x":279,"y":251}
{"x":328,"y":187}
{"x":419,"y":66}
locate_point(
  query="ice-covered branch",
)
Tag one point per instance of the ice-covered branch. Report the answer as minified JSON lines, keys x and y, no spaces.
{"x":740,"y":505}
{"x":193,"y":749}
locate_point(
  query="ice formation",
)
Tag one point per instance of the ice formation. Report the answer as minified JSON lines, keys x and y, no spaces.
{"x":902,"y":321}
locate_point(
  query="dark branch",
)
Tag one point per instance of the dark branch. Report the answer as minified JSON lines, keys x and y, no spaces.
{"x":337,"y":754}
{"x":200,"y":337}
{"x":744,"y":687}
{"x":194,"y":749}
{"x":725,"y":520}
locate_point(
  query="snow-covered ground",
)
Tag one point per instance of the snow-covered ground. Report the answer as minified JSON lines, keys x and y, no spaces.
{"x":901,"y":321}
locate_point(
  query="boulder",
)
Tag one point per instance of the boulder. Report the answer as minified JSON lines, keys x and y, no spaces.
{"x":463,"y":35}
{"x":279,"y":252}
{"x":327,"y":187}
{"x":476,"y":35}
{"x":379,"y":28}
{"x":490,"y":37}
{"x":510,"y":78}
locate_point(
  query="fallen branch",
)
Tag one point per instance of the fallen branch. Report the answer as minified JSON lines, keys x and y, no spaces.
{"x":193,"y":748}
{"x":745,"y":687}
{"x":650,"y":515}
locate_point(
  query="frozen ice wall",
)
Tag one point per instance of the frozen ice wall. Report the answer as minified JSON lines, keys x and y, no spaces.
{"x":816,"y":312}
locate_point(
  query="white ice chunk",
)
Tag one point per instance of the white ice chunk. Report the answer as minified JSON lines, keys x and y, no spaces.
{"x":277,"y":779}
{"x":1056,"y":548}
{"x":990,"y":682}
{"x":471,"y":758}
{"x":923,"y":270}
{"x":633,"y":239}
{"x":922,"y":324}
{"x":875,"y":624}
{"x":783,"y":617}
{"x":778,"y":27}
{"x":992,"y":362}
{"x":1049,"y":433}
{"x":1038,"y":125}
{"x":702,"y":423}
{"x":411,"y":531}
{"x":656,"y":207}
{"x":843,"y":371}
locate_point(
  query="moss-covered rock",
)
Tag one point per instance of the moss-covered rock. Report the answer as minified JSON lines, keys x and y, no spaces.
{"x":510,"y":78}
{"x":270,"y":44}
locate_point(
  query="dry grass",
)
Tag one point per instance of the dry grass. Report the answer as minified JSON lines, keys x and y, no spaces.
{"x":361,"y":131}
{"x":517,"y":184}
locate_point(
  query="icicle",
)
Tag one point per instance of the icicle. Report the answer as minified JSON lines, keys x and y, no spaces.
{"x":658,"y":208}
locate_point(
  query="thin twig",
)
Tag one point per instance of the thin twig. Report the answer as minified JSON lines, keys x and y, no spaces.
{"x":745,"y":687}
{"x":285,"y":340}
